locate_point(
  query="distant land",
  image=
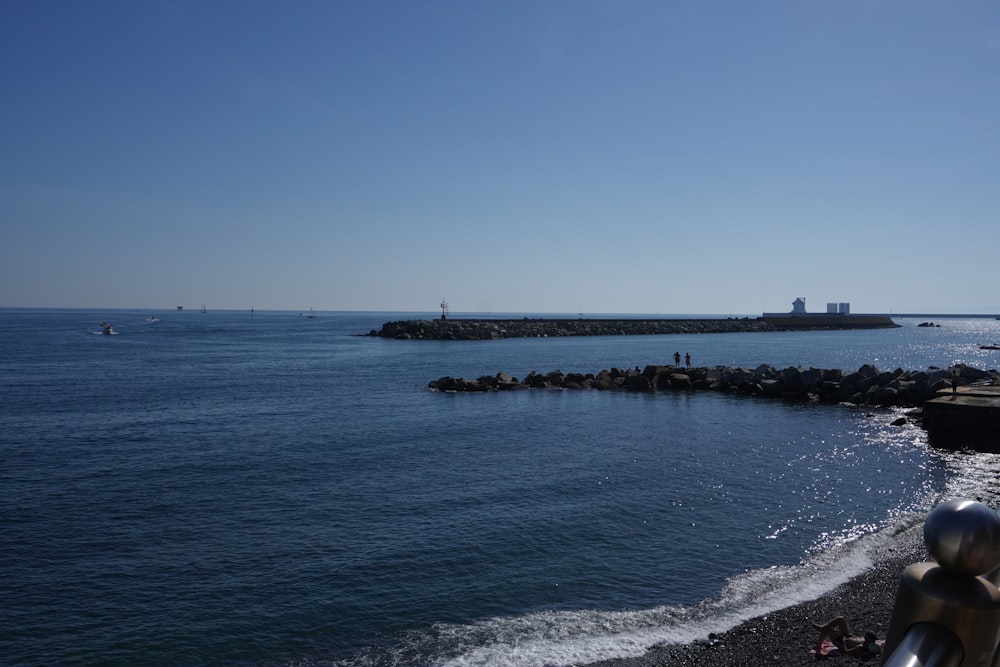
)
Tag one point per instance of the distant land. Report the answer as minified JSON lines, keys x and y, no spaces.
{"x":499,"y":314}
{"x":943,"y":316}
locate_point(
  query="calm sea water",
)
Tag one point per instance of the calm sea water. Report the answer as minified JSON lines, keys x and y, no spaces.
{"x":213,"y":489}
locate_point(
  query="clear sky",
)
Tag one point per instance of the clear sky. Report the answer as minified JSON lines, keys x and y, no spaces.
{"x":619,"y":156}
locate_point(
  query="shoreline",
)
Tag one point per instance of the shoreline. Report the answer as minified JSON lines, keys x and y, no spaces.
{"x":784,"y":637}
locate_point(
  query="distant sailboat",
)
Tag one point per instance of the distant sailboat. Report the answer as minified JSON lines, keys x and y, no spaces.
{"x":203,"y":308}
{"x":311,"y":315}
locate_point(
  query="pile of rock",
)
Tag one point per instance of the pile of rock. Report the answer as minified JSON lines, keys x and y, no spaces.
{"x":543,"y":328}
{"x":866,"y":386}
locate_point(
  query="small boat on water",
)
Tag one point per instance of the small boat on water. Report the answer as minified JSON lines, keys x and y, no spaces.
{"x":152,"y":318}
{"x":106,"y":329}
{"x":311,"y":315}
{"x":989,"y":347}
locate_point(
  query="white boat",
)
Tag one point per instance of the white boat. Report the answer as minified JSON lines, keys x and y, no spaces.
{"x":311,"y":315}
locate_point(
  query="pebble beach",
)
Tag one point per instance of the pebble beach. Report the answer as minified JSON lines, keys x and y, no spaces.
{"x":785,"y":637}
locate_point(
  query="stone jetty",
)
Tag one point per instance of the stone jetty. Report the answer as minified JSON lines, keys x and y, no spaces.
{"x":963,"y":415}
{"x":969,"y":414}
{"x":487,"y":329}
{"x":866,"y":386}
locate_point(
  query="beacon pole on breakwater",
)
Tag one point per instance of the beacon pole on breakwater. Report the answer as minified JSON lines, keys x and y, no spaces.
{"x":947,"y":614}
{"x":444,"y":309}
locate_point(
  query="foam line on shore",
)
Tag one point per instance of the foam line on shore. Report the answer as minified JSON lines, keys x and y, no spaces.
{"x":578,"y":637}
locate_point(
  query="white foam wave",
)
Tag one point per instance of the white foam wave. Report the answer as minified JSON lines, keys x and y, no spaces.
{"x":549,"y":639}
{"x":568,"y":638}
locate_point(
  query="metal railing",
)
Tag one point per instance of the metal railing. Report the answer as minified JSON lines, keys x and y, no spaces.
{"x":927,"y":645}
{"x":947,"y":613}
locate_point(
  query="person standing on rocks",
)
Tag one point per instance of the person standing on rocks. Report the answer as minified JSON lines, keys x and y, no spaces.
{"x":687,"y":359}
{"x":677,"y":358}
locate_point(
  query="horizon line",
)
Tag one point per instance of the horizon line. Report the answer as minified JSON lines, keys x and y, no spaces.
{"x":500,"y":313}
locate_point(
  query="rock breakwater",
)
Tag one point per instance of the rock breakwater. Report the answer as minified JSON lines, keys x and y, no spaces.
{"x":480,"y":329}
{"x":866,"y":386}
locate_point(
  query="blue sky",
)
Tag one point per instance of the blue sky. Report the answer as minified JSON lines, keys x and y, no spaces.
{"x":510,"y":156}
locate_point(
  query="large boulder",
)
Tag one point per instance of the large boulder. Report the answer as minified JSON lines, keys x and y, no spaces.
{"x":771,"y":387}
{"x":680,"y":382}
{"x":970,"y":374}
{"x":829,"y":390}
{"x":811,"y":379}
{"x":638,"y":383}
{"x":868,"y":370}
{"x":554,"y":378}
{"x":833,"y":375}
{"x":458,"y":384}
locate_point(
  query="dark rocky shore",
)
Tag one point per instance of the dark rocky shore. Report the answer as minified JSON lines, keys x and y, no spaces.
{"x":484,"y":329}
{"x":866,"y":386}
{"x":784,"y":637}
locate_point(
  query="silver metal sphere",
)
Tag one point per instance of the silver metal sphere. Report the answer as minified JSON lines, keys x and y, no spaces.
{"x":963,"y":536}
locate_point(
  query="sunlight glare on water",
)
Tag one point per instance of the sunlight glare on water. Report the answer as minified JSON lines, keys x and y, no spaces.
{"x":214,"y":489}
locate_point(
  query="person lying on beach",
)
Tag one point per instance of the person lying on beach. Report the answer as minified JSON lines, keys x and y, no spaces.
{"x":835,"y":638}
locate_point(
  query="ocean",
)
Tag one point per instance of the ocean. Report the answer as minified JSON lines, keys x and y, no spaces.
{"x":226,"y":489}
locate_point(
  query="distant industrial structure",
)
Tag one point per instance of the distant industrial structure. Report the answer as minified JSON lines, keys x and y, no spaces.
{"x":837,"y":315}
{"x":832,"y":308}
{"x":842,"y":308}
{"x":799,"y":308}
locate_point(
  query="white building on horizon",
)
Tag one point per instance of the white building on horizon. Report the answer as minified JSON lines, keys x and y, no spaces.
{"x":799,"y":308}
{"x":841,"y":308}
